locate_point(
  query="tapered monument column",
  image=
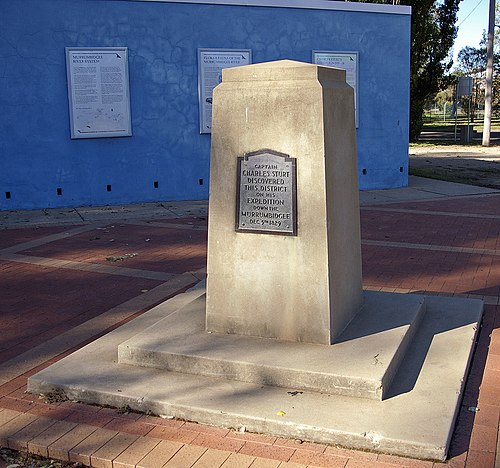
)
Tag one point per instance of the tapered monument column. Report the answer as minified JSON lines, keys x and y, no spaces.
{"x":284,"y":256}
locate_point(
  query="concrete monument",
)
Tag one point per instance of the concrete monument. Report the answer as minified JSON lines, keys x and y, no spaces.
{"x":299,"y":283}
{"x":285,"y":341}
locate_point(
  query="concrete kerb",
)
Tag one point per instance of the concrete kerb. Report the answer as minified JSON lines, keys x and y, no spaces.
{"x":423,"y":189}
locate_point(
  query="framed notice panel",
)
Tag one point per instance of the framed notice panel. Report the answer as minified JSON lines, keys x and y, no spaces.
{"x":346,"y":60}
{"x":210,"y":65}
{"x":98,"y":92}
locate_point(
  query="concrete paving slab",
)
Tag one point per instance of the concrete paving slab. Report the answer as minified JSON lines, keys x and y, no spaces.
{"x":361,"y":364}
{"x":40,"y":217}
{"x":90,"y":214}
{"x":447,"y":188}
{"x":420,"y":188}
{"x":415,"y":420}
{"x":374,"y":197}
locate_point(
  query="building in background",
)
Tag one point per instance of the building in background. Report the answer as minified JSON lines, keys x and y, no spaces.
{"x":165,"y":155}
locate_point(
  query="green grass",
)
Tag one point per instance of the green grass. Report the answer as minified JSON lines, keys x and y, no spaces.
{"x":435,"y":122}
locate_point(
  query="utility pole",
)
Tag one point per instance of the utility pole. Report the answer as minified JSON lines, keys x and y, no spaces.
{"x":489,"y":76}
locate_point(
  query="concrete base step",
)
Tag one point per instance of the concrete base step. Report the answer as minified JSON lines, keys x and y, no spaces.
{"x":415,"y":419}
{"x":361,"y":364}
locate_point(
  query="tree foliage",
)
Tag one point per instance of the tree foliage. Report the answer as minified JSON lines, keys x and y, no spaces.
{"x":472,"y":62}
{"x":496,"y":33}
{"x":433,"y":31}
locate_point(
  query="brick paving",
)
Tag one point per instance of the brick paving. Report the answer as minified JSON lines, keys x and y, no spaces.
{"x":58,"y":300}
{"x":59,"y":292}
{"x":145,"y":243}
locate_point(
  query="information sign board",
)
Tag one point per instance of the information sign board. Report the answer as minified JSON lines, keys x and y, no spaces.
{"x":210,"y":65}
{"x":98,"y":92}
{"x":465,"y":86}
{"x":346,"y":60}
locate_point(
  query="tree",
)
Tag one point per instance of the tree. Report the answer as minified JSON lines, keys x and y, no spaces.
{"x":472,"y":61}
{"x":433,"y":32}
{"x":496,"y":35}
{"x":444,"y":98}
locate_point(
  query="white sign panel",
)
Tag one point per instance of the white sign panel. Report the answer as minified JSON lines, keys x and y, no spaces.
{"x":98,"y":92}
{"x":210,"y":65}
{"x":346,"y":60}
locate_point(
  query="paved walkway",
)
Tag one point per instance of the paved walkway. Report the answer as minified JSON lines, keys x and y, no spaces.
{"x":69,"y":276}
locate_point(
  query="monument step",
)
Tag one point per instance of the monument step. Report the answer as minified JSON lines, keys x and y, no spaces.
{"x":362,"y":363}
{"x":416,"y":419}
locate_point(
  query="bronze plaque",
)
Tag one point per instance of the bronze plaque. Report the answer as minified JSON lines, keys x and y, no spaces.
{"x":266,"y":199}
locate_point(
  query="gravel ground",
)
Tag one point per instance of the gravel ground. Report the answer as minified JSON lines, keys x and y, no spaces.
{"x":474,"y":165}
{"x":14,"y":459}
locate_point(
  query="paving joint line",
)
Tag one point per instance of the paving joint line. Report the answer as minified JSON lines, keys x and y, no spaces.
{"x":201,"y":206}
{"x":436,"y":248}
{"x":78,"y":213}
{"x":434,"y":213}
{"x":168,"y":209}
{"x":86,"y":266}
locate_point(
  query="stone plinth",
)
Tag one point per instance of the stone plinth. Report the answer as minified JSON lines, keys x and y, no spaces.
{"x":304,"y":287}
{"x":361,"y":364}
{"x":416,"y":417}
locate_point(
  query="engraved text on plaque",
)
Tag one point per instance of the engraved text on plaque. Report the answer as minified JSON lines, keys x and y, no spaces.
{"x":266,"y":193}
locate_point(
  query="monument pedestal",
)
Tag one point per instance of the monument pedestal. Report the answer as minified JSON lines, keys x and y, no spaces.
{"x":361,"y":364}
{"x":415,"y":418}
{"x":285,"y":341}
{"x":283,"y":132}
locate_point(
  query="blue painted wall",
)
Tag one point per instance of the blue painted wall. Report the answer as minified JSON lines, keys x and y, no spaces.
{"x":37,"y":155}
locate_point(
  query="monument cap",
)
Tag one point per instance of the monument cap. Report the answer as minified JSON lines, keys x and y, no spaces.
{"x":282,"y":70}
